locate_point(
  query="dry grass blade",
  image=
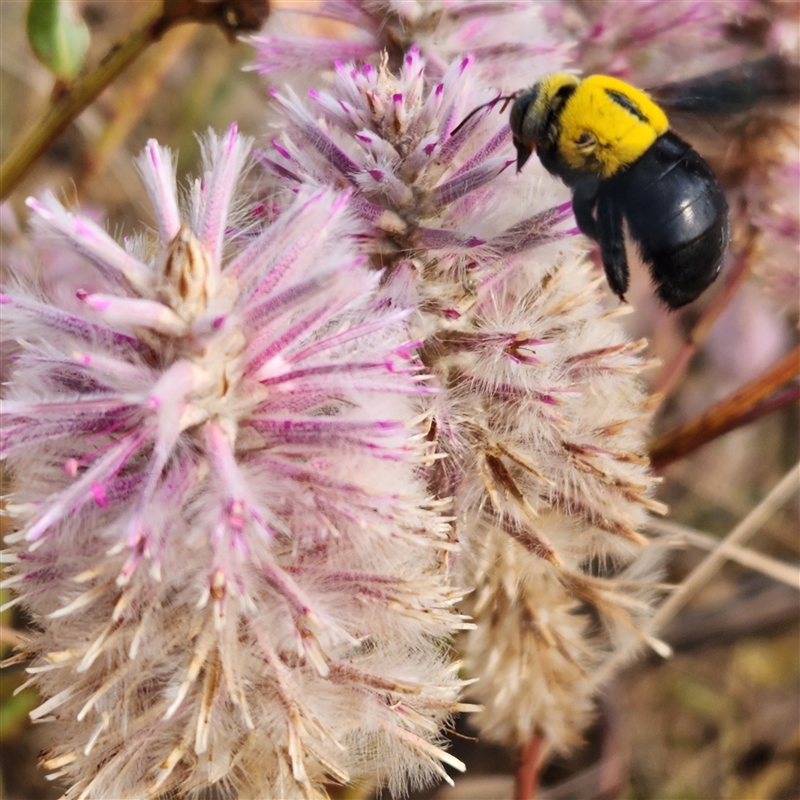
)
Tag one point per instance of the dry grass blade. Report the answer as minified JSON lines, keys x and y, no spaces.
{"x":746,"y":528}
{"x":134,"y":102}
{"x":766,"y":565}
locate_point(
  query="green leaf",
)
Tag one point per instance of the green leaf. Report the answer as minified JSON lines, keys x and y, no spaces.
{"x":58,"y":36}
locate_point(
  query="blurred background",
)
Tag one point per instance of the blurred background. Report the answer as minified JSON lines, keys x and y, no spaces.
{"x":722,"y":717}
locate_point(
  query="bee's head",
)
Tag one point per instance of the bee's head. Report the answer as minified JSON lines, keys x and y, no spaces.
{"x":535,"y":114}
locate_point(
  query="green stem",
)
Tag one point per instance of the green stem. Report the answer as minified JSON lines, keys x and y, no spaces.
{"x":74,"y":100}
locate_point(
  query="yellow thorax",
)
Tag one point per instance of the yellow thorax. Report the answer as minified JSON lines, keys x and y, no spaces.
{"x":606,"y":124}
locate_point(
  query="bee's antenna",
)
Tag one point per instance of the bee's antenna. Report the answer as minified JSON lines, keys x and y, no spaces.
{"x":507,"y":98}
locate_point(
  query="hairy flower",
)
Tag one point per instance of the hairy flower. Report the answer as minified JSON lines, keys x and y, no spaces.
{"x":540,"y":414}
{"x":647,"y":41}
{"x":236,"y":569}
{"x":416,"y":185}
{"x":507,"y":37}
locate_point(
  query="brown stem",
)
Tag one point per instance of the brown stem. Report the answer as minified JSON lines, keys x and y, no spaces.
{"x":738,"y":271}
{"x":66,"y":107}
{"x":785,"y":397}
{"x":526,"y":778}
{"x":741,"y":407}
{"x":233,"y":16}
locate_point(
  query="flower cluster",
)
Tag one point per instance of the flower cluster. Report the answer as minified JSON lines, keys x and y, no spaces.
{"x":257,"y":457}
{"x":237,"y":571}
{"x":648,"y":42}
{"x":507,"y":38}
{"x":540,"y":414}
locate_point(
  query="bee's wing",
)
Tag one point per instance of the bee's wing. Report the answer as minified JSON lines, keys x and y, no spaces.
{"x":732,"y":91}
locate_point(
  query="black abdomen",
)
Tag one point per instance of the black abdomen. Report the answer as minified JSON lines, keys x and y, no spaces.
{"x":678,"y":216}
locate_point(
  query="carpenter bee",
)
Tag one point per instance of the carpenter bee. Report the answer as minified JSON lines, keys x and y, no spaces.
{"x":611,"y":144}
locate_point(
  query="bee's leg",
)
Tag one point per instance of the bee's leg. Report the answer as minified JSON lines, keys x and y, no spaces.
{"x":611,"y":237}
{"x":584,"y":199}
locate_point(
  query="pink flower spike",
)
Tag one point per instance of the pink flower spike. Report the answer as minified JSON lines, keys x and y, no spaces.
{"x":128,"y":313}
{"x":483,"y":258}
{"x":157,"y":168}
{"x":224,"y":161}
{"x":99,"y":494}
{"x":86,"y":238}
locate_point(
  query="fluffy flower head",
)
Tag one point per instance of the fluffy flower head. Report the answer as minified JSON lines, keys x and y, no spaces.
{"x":540,"y":411}
{"x":419,"y":187}
{"x":221,"y":529}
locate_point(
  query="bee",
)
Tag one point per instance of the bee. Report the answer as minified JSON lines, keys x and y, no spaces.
{"x":612,"y":146}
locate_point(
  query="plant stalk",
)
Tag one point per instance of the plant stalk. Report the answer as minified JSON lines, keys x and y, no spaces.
{"x":724,"y":416}
{"x":75,"y":99}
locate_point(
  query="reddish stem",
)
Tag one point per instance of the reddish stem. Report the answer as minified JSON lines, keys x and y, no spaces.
{"x":743,"y":406}
{"x":526,"y":777}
